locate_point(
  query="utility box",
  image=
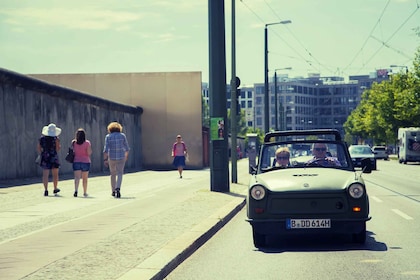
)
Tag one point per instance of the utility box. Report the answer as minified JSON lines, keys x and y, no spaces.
{"x":252,"y":151}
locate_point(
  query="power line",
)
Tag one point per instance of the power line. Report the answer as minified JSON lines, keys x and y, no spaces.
{"x":301,"y":44}
{"x":297,"y":40}
{"x":393,"y":34}
{"x":367,"y":39}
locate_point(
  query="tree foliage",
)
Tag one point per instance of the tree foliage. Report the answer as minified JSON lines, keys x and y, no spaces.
{"x":386,"y":106}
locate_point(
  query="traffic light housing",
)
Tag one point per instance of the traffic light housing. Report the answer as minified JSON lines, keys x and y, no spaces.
{"x":238,"y":94}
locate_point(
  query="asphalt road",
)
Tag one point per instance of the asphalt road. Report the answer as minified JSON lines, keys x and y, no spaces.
{"x":391,"y":251}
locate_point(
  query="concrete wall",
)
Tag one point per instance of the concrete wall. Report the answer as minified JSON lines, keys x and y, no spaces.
{"x":28,"y":104}
{"x":171,"y":103}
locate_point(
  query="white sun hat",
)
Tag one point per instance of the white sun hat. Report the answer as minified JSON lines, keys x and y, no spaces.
{"x":51,"y":130}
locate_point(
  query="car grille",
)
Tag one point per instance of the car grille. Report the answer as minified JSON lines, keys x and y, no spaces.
{"x":309,"y":205}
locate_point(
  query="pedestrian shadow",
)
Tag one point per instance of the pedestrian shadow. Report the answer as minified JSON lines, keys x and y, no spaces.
{"x":124,"y":198}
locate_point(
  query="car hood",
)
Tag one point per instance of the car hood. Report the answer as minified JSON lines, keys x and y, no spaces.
{"x":362,"y":155}
{"x":306,"y":179}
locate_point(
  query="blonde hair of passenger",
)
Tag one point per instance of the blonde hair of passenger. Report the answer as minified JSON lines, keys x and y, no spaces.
{"x":283,"y":150}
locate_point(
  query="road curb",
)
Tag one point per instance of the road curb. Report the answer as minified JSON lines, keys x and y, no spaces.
{"x":166,"y":259}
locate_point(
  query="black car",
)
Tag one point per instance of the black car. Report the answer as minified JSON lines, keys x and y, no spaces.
{"x":360,"y":152}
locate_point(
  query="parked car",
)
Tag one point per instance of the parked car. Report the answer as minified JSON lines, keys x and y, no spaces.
{"x":360,"y":152}
{"x":306,"y":196}
{"x":380,"y":152}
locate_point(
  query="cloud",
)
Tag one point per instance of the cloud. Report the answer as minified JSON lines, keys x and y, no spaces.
{"x":70,"y":18}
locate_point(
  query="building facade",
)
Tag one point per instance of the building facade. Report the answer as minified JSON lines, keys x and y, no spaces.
{"x":303,"y":103}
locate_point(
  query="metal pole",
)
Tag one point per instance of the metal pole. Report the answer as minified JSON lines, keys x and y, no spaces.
{"x":219,"y":160}
{"x":233,"y":103}
{"x":266,"y":105}
{"x":266,"y":97}
{"x":276,"y":109}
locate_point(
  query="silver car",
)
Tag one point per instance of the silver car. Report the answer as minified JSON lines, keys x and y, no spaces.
{"x":380,"y":152}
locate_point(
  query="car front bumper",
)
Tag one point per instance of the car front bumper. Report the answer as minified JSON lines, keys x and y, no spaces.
{"x":275,"y":226}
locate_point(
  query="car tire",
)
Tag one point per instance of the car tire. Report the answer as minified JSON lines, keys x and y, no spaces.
{"x":361,"y":236}
{"x":259,"y":239}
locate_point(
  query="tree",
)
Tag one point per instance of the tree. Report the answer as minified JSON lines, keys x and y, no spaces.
{"x":386,"y":106}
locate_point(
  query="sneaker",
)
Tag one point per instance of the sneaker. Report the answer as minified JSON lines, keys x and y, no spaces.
{"x":113,"y":193}
{"x":75,"y":194}
{"x":56,"y":190}
{"x":180,"y":177}
{"x":85,"y":194}
{"x":118,"y":194}
{"x":46,"y":193}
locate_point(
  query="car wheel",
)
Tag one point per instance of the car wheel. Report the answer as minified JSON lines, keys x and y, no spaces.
{"x":259,"y":239}
{"x":361,"y":236}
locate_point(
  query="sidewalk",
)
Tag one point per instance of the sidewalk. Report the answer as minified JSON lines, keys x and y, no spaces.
{"x":161,"y":263}
{"x":129,"y":243}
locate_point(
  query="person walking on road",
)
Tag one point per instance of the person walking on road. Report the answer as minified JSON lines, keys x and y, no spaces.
{"x":81,"y":164}
{"x":179,"y":153}
{"x":115,"y":155}
{"x":48,"y":147}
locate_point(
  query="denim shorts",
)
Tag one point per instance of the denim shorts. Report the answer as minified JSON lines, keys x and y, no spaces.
{"x":81,"y":166}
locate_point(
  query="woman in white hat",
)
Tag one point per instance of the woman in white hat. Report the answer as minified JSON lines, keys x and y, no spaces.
{"x":48,"y":147}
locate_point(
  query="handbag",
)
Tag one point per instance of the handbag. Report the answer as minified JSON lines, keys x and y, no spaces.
{"x":38,"y":159}
{"x":70,"y":155}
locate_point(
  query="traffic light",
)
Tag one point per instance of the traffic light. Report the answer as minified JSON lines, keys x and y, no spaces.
{"x":238,"y":94}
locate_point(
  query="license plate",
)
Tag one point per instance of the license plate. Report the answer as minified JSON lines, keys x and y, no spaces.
{"x":308,"y":223}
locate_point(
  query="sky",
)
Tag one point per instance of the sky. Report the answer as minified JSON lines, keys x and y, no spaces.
{"x":326,"y":37}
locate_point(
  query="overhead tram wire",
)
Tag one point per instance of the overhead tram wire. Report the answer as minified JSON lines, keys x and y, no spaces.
{"x":368,"y":37}
{"x":394,"y":49}
{"x":252,"y":11}
{"x":297,"y":53}
{"x":299,"y":42}
{"x":393,"y":34}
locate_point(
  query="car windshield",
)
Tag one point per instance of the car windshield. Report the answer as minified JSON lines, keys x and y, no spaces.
{"x":303,"y":154}
{"x":360,"y":150}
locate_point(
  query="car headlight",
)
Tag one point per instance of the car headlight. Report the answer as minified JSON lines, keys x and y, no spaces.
{"x":257,"y":192}
{"x":356,"y":190}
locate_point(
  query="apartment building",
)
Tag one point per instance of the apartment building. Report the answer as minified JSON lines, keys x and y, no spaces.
{"x":303,"y":103}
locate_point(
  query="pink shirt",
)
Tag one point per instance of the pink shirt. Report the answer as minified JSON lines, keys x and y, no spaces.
{"x":81,"y":152}
{"x":179,"y":149}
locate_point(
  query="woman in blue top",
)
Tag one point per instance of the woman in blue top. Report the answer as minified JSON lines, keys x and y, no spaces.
{"x":115,"y":155}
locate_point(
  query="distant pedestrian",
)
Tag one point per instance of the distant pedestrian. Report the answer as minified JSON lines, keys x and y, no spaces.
{"x":48,"y":147}
{"x":115,"y":155}
{"x":179,"y":153}
{"x":81,"y":164}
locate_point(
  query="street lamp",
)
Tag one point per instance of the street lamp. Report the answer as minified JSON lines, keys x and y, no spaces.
{"x":275,"y":95}
{"x":266,"y":105}
{"x":400,"y":66}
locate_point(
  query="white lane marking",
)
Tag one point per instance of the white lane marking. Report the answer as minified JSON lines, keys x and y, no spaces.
{"x":402,"y":214}
{"x":376,"y":199}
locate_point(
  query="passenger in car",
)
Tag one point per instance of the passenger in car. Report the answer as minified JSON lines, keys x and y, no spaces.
{"x":319,"y":150}
{"x":282,"y":157}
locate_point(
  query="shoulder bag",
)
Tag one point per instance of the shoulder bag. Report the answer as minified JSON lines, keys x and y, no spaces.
{"x":70,"y":154}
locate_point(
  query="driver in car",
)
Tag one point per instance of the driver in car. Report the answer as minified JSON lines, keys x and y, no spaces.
{"x":319,"y":150}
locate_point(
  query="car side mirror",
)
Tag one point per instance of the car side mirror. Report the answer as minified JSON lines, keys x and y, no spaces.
{"x":367,"y":165}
